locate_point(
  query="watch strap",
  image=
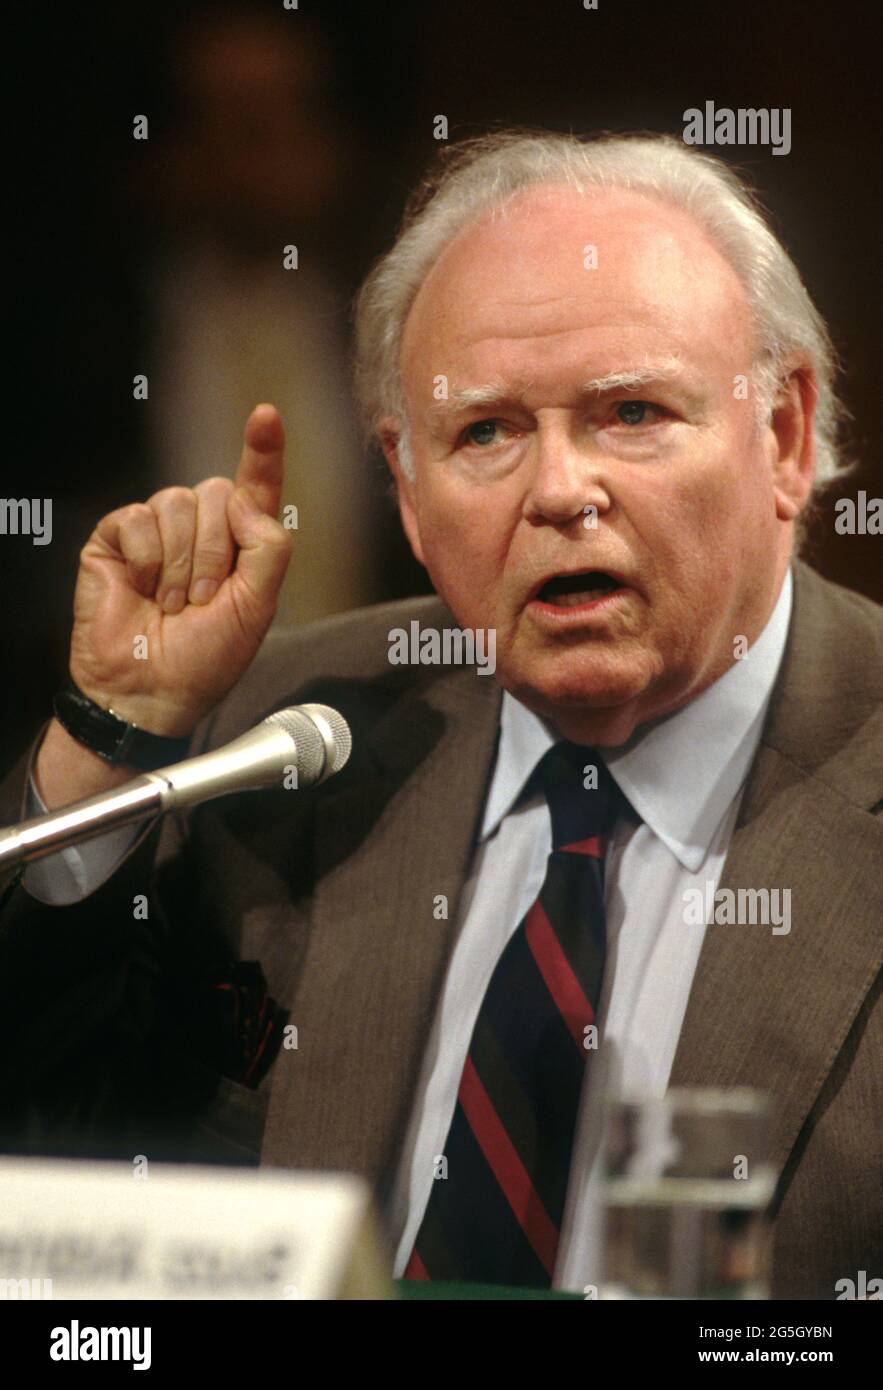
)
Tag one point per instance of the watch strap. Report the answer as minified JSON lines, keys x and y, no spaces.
{"x":114,"y":739}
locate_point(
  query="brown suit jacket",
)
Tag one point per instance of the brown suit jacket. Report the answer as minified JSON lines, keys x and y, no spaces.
{"x":332,"y":891}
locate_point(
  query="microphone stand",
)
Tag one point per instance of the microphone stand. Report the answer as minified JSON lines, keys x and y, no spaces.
{"x":96,"y":815}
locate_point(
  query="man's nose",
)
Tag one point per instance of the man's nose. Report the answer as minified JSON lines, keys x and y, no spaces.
{"x":567,"y":479}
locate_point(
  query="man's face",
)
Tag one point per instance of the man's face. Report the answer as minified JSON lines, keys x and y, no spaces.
{"x":666,"y":490}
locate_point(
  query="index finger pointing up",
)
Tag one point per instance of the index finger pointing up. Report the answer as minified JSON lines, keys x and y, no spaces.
{"x":262,"y":464}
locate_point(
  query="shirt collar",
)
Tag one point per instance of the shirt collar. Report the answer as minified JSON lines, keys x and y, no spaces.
{"x":681,"y":773}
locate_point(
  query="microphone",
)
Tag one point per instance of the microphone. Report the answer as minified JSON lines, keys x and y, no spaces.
{"x":313,"y":741}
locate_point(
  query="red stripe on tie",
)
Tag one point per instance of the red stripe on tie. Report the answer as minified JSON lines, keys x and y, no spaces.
{"x":559,"y":979}
{"x":594,"y":846}
{"x":503,"y":1160}
{"x":416,"y":1269}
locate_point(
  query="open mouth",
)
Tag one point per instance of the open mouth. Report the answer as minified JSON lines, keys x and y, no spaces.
{"x":575,"y":590}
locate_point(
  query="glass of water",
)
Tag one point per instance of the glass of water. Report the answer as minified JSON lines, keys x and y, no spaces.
{"x":686,"y":1185}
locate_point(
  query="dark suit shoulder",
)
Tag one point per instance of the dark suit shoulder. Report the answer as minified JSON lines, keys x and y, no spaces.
{"x":354,"y":643}
{"x":856,"y":610}
{"x":349,"y":651}
{"x":827,"y":714}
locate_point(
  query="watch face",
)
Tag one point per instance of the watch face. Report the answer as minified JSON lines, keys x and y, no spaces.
{"x":94,"y":727}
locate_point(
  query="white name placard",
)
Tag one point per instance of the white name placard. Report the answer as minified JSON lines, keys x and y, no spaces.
{"x":114,"y":1230}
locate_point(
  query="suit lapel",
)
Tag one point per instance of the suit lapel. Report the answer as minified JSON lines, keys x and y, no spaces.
{"x":772,"y":1011}
{"x":379,"y":942}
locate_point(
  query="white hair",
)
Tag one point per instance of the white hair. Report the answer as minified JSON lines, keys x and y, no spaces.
{"x":480,"y":176}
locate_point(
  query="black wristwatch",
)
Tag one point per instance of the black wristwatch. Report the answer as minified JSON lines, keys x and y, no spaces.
{"x":112,"y":738}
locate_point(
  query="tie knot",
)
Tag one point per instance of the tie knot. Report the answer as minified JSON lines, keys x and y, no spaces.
{"x":583,"y":798}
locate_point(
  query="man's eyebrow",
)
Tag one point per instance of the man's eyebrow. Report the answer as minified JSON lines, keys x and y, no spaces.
{"x":499,"y":394}
{"x":669,"y":369}
{"x":471,"y":397}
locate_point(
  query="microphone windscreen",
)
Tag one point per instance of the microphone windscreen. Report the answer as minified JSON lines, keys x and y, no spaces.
{"x":309,"y":741}
{"x":343,"y":739}
{"x":314,"y":742}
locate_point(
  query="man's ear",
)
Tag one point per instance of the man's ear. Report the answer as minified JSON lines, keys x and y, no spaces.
{"x":792,"y":431}
{"x":389,"y":433}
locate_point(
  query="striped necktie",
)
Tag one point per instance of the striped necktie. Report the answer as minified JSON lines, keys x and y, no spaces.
{"x":496,"y":1206}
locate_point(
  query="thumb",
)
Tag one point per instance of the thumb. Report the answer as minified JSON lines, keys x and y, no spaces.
{"x":264,"y":547}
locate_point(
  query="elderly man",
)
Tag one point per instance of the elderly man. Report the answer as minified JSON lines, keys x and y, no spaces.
{"x":604,"y":396}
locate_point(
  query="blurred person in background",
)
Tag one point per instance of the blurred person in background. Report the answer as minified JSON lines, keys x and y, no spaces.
{"x":254,"y":164}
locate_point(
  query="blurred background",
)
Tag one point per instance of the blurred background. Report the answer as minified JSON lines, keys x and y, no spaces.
{"x":271,"y":127}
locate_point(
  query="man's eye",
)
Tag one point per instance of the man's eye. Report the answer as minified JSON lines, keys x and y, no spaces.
{"x":482,"y":432}
{"x":634,"y":412}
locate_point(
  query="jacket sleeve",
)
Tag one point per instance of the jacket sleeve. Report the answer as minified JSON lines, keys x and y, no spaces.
{"x":76,"y":872}
{"x":102,"y":1052}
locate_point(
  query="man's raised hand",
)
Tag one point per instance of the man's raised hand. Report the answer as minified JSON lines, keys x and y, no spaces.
{"x":174,"y":595}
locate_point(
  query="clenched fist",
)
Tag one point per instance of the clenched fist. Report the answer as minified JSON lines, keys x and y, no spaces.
{"x":195,"y":574}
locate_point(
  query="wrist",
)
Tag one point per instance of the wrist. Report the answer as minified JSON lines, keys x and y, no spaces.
{"x":65,"y":770}
{"x":152,"y":714}
{"x":110,"y":731}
